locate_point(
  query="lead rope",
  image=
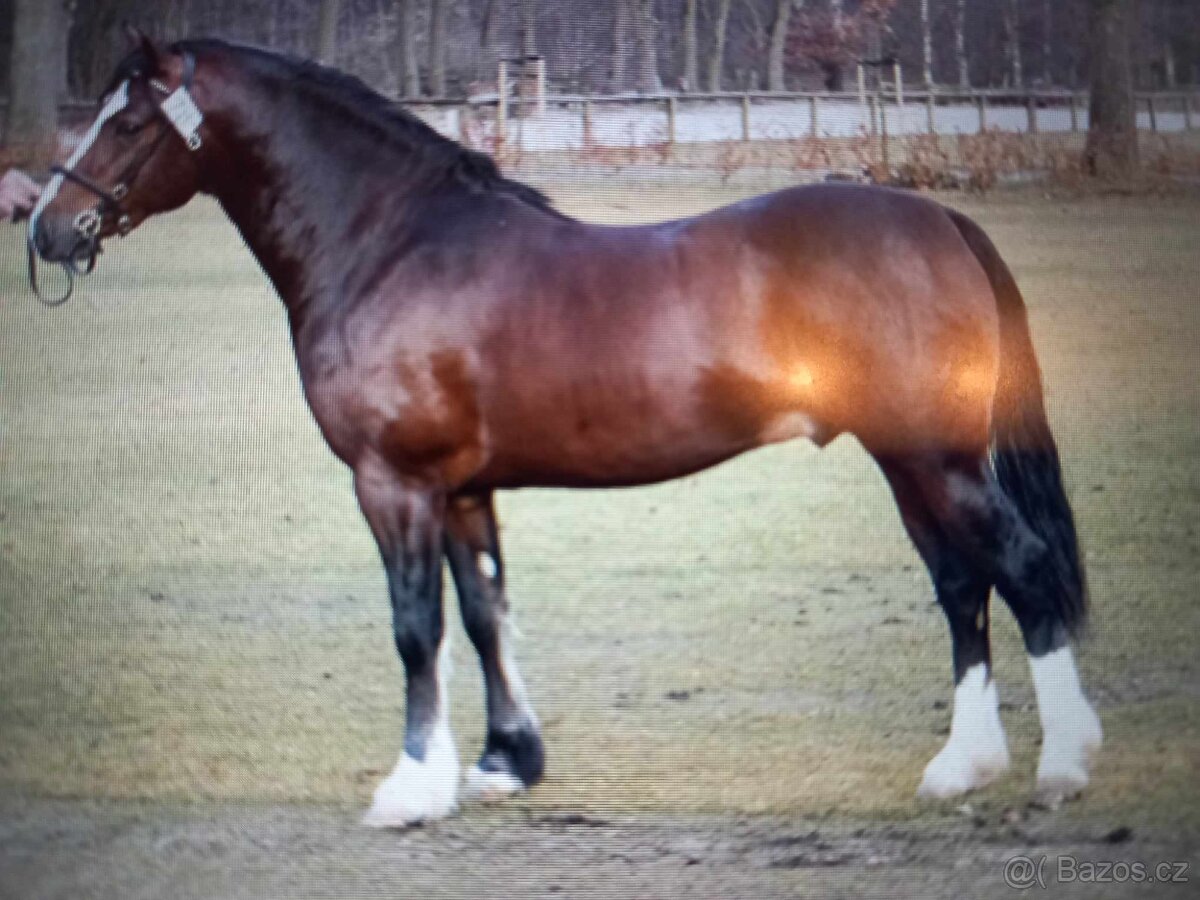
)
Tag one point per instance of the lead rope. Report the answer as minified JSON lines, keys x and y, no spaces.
{"x":33,"y":281}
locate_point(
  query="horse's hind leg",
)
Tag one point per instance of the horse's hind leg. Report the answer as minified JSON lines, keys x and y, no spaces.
{"x":513,"y":758}
{"x":976,"y":516}
{"x":976,"y":751}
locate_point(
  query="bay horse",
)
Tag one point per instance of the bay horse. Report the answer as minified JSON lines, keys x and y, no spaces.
{"x":456,"y":335}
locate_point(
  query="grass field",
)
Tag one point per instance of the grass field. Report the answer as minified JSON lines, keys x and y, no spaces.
{"x":193,"y":622}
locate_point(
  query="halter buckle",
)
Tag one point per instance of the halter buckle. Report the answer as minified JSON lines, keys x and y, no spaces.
{"x":87,"y":224}
{"x":120,"y":191}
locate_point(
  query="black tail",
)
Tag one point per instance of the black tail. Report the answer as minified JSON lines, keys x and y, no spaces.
{"x":1024,"y":454}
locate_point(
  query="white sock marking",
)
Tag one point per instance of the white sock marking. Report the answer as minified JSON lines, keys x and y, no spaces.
{"x":1070,"y":728}
{"x":977,"y":750}
{"x":422,"y":790}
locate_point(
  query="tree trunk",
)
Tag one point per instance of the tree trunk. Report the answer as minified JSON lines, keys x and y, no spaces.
{"x":36,"y":76}
{"x":1047,"y":43}
{"x":691,"y":56}
{"x":776,"y":75}
{"x":529,"y":27}
{"x":1112,"y":150}
{"x":327,"y":33}
{"x":960,"y":45}
{"x":649,"y":81}
{"x":437,"y":48}
{"x":716,"y":59}
{"x":621,"y":32}
{"x":1012,"y":41}
{"x":926,"y":47}
{"x":406,"y":49}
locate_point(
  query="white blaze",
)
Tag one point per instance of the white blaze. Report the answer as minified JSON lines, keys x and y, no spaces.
{"x":116,"y":102}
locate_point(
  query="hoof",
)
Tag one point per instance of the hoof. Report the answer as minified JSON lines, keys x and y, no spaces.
{"x":417,"y":791}
{"x":490,"y":787}
{"x":1066,"y":756}
{"x":957,"y":771}
{"x":977,"y":751}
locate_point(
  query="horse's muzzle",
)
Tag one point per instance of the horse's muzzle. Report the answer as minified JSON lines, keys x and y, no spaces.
{"x":67,"y":241}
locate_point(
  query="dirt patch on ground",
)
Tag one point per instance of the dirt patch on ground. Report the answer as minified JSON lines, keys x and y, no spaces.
{"x":58,"y":849}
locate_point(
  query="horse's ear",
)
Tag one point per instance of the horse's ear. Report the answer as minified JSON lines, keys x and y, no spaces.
{"x":139,"y":40}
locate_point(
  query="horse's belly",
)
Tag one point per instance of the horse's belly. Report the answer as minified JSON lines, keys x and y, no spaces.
{"x":634,"y":449}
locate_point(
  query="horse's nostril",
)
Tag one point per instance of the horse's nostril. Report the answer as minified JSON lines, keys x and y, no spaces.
{"x":41,"y":239}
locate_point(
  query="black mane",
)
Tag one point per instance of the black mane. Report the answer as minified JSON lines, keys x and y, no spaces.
{"x":438,"y":157}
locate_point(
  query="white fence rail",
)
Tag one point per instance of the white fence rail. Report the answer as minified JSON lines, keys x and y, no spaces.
{"x":558,"y":122}
{"x":570,"y":122}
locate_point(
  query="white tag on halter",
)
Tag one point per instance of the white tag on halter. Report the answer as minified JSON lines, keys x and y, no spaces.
{"x":182,"y":112}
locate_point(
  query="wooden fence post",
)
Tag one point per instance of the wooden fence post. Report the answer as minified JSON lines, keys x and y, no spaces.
{"x":883,"y":139}
{"x":1031,"y":114}
{"x":588,"y":136}
{"x":501,"y":100}
{"x":539,"y":69}
{"x":1187,"y":111}
{"x":671,"y":111}
{"x":814,"y":114}
{"x":898,"y":78}
{"x":1150,"y":110}
{"x":745,"y":117}
{"x":930,"y":125}
{"x":981,"y":101}
{"x":1074,"y":111}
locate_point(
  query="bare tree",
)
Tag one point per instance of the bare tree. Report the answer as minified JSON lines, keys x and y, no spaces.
{"x":960,"y":44}
{"x":437,"y":48}
{"x":926,"y":47}
{"x":327,"y":31}
{"x":647,"y":44}
{"x":691,"y":56}
{"x":406,"y":49}
{"x":1012,"y":41}
{"x":1112,"y":150}
{"x":622,"y":20}
{"x":529,"y":10}
{"x":775,"y":52}
{"x":716,"y":58}
{"x":1047,"y":42}
{"x":37,"y":74}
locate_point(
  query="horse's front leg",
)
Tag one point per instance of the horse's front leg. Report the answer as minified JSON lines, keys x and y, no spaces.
{"x":512,"y":757}
{"x":406,"y":519}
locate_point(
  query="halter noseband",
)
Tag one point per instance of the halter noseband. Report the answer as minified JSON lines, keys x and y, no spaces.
{"x":184,"y":116}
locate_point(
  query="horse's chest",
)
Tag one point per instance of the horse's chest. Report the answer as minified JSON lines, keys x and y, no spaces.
{"x":418,"y":414}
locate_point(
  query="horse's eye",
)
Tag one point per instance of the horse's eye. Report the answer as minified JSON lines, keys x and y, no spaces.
{"x":128,"y":128}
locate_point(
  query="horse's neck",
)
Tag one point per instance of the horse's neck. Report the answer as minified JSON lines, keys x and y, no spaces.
{"x":296,"y":205}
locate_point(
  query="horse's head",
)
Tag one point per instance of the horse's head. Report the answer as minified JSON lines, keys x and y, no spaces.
{"x":140,"y":157}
